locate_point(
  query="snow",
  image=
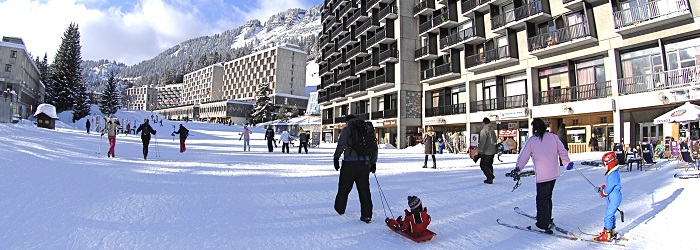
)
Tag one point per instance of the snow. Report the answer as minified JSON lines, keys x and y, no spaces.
{"x":312,"y":77}
{"x":58,"y":192}
{"x":47,"y":109}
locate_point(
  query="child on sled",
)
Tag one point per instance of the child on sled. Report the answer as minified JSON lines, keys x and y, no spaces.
{"x":416,"y":222}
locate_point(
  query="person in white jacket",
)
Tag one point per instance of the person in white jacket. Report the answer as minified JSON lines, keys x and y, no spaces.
{"x":284,"y":138}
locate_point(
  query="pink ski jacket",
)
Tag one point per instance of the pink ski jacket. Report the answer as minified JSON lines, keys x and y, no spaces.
{"x":545,"y":155}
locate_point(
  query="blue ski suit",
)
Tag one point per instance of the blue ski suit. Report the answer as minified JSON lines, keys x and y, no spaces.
{"x":614,"y":196}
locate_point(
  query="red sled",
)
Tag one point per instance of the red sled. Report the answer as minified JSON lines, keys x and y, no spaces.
{"x":426,"y":236}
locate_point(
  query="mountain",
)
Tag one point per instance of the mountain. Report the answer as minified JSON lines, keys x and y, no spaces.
{"x":297,"y":26}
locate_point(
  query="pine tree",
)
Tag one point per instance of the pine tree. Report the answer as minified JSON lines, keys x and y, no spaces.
{"x":295,"y":111}
{"x":109,"y":100}
{"x":263,"y":104}
{"x":282,"y":114}
{"x":45,"y":76}
{"x":66,"y":72}
{"x":82,"y":106}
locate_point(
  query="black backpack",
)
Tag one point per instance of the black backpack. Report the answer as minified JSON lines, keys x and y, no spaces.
{"x":364,"y":142}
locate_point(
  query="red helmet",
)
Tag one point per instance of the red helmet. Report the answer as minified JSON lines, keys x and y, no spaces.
{"x":609,"y":161}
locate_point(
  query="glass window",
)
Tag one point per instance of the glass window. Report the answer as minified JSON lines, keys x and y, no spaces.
{"x":641,"y":62}
{"x":13,"y":54}
{"x":683,"y":54}
{"x":8,"y":67}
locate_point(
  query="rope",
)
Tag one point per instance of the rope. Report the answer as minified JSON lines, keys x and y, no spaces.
{"x":383,"y":198}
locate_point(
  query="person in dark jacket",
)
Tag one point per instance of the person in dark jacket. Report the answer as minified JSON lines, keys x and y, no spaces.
{"x":487,"y":149}
{"x":270,"y":137}
{"x":87,"y":125}
{"x":183,"y":132}
{"x":303,"y":141}
{"x":429,"y":146}
{"x":561,"y":133}
{"x":146,"y":131}
{"x":355,"y":171}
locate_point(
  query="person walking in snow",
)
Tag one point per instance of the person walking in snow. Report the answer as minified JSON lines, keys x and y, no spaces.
{"x":245,"y":135}
{"x":87,"y":125}
{"x":429,"y":146}
{"x":611,"y":190}
{"x":284,"y":139}
{"x":183,"y":132}
{"x":416,"y":222}
{"x":303,"y":141}
{"x":270,"y":137}
{"x":146,"y":131}
{"x":356,"y":171}
{"x":128,"y":128}
{"x":545,"y":149}
{"x":487,"y":149}
{"x":111,"y":129}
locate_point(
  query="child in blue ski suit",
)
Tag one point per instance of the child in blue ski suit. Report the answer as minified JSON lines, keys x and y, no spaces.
{"x":612,"y":191}
{"x":441,"y":145}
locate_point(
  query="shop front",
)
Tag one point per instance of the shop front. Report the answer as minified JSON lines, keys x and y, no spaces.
{"x":386,"y":131}
{"x":513,"y":124}
{"x":586,"y":128}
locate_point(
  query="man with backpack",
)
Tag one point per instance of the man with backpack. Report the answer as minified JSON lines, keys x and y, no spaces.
{"x":358,"y":145}
{"x":146,"y":131}
{"x":303,"y":141}
{"x":183,"y":132}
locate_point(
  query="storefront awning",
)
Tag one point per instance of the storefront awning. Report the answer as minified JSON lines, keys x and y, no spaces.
{"x":687,"y":112}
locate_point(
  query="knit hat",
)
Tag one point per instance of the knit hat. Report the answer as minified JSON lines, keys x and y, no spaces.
{"x":486,"y":120}
{"x":414,"y":203}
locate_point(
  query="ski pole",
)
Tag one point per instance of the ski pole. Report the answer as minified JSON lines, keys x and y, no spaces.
{"x":589,"y":181}
{"x":383,"y":198}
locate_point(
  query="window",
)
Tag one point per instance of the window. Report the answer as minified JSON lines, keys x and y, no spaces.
{"x":8,"y":67}
{"x":436,"y":99}
{"x":459,"y":95}
{"x":641,"y":62}
{"x":13,"y":54}
{"x":683,"y":54}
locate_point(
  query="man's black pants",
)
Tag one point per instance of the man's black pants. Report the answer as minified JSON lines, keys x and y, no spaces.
{"x":356,"y":172}
{"x":486,"y":165}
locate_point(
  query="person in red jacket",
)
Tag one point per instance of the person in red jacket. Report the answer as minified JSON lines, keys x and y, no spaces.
{"x":416,"y":222}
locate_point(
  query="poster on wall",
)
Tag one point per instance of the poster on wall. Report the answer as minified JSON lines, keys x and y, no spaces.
{"x":473,"y":145}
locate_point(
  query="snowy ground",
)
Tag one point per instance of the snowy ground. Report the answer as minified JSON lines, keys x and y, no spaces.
{"x":59,"y":193}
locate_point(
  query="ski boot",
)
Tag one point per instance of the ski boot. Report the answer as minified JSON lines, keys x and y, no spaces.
{"x":434,"y":165}
{"x":605,"y":236}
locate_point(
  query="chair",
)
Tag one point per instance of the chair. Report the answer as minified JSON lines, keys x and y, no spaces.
{"x":646,"y":155}
{"x":687,"y":159}
{"x":621,"y":157}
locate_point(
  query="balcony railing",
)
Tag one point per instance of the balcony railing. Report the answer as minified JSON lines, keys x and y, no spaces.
{"x":345,"y":73}
{"x":336,"y":32}
{"x":355,"y":88}
{"x":574,"y":93}
{"x":345,"y":40}
{"x":336,"y":4}
{"x":659,"y":80}
{"x":336,"y":62}
{"x":388,"y":53}
{"x":376,"y":115}
{"x":390,"y":113}
{"x":562,"y":35}
{"x":354,"y":51}
{"x":371,"y":3}
{"x":482,"y":105}
{"x":425,"y":26}
{"x":436,"y":71}
{"x":488,"y":56}
{"x":516,"y":14}
{"x":422,"y":52}
{"x":515,"y":101}
{"x":323,"y":69}
{"x":648,"y":11}
{"x":471,"y":4}
{"x":339,"y":119}
{"x":381,"y":79}
{"x":420,"y":7}
{"x":327,"y":121}
{"x":355,"y":15}
{"x":389,"y":9}
{"x":330,"y":24}
{"x":456,"y":38}
{"x":345,"y":9}
{"x":363,"y":27}
{"x":362,"y":116}
{"x":453,"y":109}
{"x":364,"y":64}
{"x":328,"y":81}
{"x":434,"y":111}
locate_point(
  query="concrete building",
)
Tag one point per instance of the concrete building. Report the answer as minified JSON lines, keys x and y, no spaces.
{"x":367,"y":67}
{"x":20,"y":83}
{"x":142,"y":98}
{"x":169,"y":95}
{"x":203,"y":85}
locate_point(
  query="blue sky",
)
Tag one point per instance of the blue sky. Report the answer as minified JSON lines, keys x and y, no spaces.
{"x":129,"y":31}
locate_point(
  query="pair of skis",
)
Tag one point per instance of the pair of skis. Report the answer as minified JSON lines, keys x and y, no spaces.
{"x":562,"y":233}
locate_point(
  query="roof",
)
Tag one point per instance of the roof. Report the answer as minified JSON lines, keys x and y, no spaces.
{"x":47,"y":109}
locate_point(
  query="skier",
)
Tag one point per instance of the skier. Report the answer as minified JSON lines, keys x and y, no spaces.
{"x":441,"y":145}
{"x":429,"y":146}
{"x":246,"y":137}
{"x":545,"y":149}
{"x":284,"y":139}
{"x":183,"y":132}
{"x":612,"y":191}
{"x":111,"y":129}
{"x":303,"y":141}
{"x":270,"y":137}
{"x":87,"y":125}
{"x":416,"y":222}
{"x":128,"y":128}
{"x":146,"y":131}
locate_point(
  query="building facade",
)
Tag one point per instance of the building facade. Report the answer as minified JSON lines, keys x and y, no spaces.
{"x":169,"y":95}
{"x":20,"y":81}
{"x":203,"y":85}
{"x":367,"y":67}
{"x":142,"y":98}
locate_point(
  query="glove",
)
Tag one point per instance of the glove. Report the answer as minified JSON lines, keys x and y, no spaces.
{"x":516,"y":170}
{"x":373,"y":167}
{"x":602,"y":191}
{"x":336,"y":164}
{"x":570,"y":166}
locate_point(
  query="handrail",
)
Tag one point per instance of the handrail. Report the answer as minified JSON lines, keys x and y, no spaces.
{"x":562,"y":35}
{"x":648,"y":11}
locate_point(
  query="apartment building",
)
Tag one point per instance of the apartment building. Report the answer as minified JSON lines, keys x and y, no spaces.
{"x":203,"y":85}
{"x":142,"y":98}
{"x":367,"y":67}
{"x":20,"y":83}
{"x":169,"y":95}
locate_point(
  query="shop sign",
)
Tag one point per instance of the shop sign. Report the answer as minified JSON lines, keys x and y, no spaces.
{"x":474,"y":140}
{"x":377,"y":123}
{"x":507,"y":133}
{"x":515,"y":113}
{"x":390,"y":122}
{"x":435,"y":120}
{"x":684,"y":95}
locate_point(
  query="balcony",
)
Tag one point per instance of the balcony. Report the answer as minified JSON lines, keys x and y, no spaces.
{"x":326,"y":43}
{"x":439,"y":73}
{"x":425,"y":53}
{"x":347,"y":74}
{"x":338,"y":95}
{"x":357,"y":50}
{"x":650,"y":16}
{"x":337,"y":4}
{"x":457,"y":40}
{"x":424,"y":7}
{"x":325,"y":15}
{"x":357,"y":89}
{"x":330,"y":82}
{"x":357,"y":16}
{"x":336,"y":63}
{"x":573,"y":94}
{"x":440,"y":21}
{"x":490,"y":59}
{"x":578,"y":4}
{"x":376,"y":115}
{"x":323,"y":70}
{"x":469,"y":6}
{"x":388,"y":56}
{"x":574,"y":36}
{"x":374,"y":4}
{"x":482,"y":105}
{"x":390,"y":12}
{"x":384,"y":35}
{"x":345,"y":41}
{"x":381,"y":82}
{"x":659,"y":81}
{"x":346,"y":9}
{"x":327,"y":121}
{"x":328,"y":26}
{"x":453,"y":109}
{"x":366,"y":26}
{"x":339,"y":119}
{"x":516,"y":101}
{"x":366,"y":65}
{"x":390,"y":113}
{"x":516,"y":18}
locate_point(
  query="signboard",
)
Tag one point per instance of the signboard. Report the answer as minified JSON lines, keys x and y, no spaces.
{"x":684,"y":95}
{"x":514,"y":113}
{"x":435,"y":121}
{"x":328,"y":137}
{"x":316,"y":138}
{"x":507,"y":133}
{"x":474,"y":140}
{"x":513,"y":125}
{"x":390,"y":122}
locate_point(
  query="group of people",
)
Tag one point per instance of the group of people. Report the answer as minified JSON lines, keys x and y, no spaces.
{"x":285,"y":139}
{"x":113,"y":126}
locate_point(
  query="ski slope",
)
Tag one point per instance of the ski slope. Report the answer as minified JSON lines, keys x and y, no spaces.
{"x":58,"y":192}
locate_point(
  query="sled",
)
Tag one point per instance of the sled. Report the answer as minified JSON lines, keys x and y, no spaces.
{"x":426,"y":236}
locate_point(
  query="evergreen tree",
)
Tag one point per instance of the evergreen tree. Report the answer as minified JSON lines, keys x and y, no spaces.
{"x":295,"y":111}
{"x":109,"y":100}
{"x":66,"y":72}
{"x":82,"y":106}
{"x":263,"y":104}
{"x":45,"y":76}
{"x":282,"y":114}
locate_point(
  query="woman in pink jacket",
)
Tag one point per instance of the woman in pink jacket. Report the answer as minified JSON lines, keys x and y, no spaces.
{"x":545,"y":149}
